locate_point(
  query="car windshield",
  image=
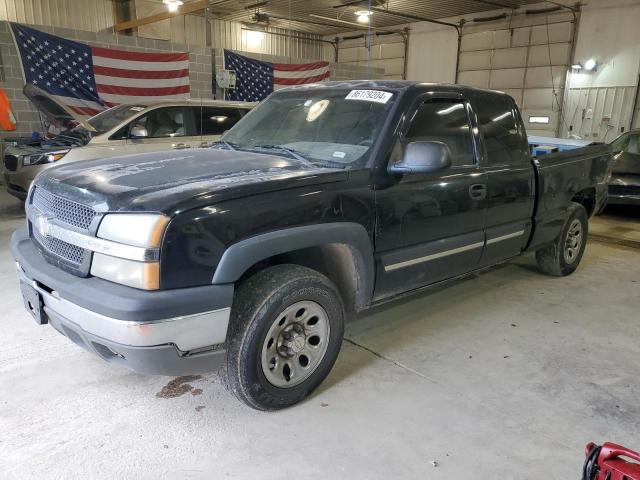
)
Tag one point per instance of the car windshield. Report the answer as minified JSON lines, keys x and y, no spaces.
{"x":330,"y":127}
{"x":105,"y":121}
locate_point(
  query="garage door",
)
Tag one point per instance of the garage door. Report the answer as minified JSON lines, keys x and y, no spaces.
{"x":387,"y":51}
{"x":526,"y":57}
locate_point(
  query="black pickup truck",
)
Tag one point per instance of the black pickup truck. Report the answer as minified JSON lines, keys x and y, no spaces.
{"x":324,"y":200}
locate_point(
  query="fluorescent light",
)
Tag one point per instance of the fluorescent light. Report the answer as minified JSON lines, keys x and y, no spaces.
{"x":539,"y":119}
{"x":254,"y":38}
{"x":590,"y":64}
{"x":363,"y":15}
{"x":448,"y":110}
{"x":576,"y":66}
{"x":501,"y":117}
{"x":172,"y":5}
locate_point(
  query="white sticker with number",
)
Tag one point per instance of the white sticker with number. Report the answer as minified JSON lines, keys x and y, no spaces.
{"x":369,"y":96}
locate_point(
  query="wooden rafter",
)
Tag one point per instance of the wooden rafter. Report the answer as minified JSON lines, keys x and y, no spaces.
{"x":192,"y":7}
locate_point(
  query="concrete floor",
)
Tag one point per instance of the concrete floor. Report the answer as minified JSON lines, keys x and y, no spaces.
{"x":502,"y":376}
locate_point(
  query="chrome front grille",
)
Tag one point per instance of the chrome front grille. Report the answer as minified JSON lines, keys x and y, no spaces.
{"x":70,"y":253}
{"x":66,"y":211}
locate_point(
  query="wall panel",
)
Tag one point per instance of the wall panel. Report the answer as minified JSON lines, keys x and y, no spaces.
{"x":598,"y":113}
{"x":90,"y":15}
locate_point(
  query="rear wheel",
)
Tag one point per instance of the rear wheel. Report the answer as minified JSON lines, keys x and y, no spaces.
{"x":285,"y":335}
{"x":563,"y":256}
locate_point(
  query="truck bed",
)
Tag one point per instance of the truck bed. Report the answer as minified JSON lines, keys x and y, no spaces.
{"x":562,"y":177}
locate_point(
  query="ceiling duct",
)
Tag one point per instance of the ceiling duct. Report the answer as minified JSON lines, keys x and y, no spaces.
{"x":493,"y":18}
{"x":541,"y":11}
{"x":256,"y":5}
{"x":364,"y":3}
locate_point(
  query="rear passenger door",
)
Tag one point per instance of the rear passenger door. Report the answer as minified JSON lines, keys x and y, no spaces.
{"x":510,"y":177}
{"x":212,"y":122}
{"x":430,"y":226}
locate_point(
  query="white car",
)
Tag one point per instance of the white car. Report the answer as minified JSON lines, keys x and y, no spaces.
{"x":121,"y":130}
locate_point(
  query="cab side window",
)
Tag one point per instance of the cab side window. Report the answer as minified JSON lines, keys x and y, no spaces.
{"x":500,"y":129}
{"x":629,"y":143}
{"x":166,"y":122}
{"x":444,"y":121}
{"x":634,"y":145}
{"x":215,"y":120}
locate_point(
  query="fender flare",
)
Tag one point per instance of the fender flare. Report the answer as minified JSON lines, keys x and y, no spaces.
{"x":241,"y":256}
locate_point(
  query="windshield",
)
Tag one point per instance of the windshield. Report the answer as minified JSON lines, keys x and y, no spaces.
{"x":334,"y":127}
{"x":105,"y":121}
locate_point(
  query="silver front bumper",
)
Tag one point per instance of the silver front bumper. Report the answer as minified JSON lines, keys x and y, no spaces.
{"x":189,"y":332}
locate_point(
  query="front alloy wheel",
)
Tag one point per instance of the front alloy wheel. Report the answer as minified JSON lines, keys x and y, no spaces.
{"x":284,"y":337}
{"x":295,"y":344}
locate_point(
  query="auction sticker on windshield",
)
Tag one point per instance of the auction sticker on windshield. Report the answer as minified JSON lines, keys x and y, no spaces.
{"x":369,"y":96}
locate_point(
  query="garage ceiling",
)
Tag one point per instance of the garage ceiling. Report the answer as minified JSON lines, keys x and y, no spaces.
{"x":328,"y":17}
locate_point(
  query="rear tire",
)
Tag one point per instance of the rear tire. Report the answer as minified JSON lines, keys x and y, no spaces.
{"x":286,"y":330}
{"x":563,"y":256}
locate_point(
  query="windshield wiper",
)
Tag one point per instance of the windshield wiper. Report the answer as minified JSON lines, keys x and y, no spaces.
{"x":289,"y":151}
{"x":230,"y":146}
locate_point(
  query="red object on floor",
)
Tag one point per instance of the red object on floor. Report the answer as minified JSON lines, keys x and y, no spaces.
{"x":610,"y":463}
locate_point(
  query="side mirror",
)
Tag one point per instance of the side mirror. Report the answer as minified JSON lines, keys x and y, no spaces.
{"x":423,"y":157}
{"x":138,"y":131}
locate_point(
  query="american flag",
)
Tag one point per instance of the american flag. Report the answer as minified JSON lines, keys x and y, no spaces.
{"x":89,"y":79}
{"x":255,"y":79}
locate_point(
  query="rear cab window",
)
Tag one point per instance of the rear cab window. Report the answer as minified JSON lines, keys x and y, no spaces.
{"x":504,"y":139}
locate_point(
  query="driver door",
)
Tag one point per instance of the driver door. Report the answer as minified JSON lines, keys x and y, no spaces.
{"x":430,"y":226}
{"x":162,"y":128}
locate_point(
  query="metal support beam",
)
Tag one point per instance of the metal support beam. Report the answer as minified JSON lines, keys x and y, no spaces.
{"x":410,"y":16}
{"x":459,"y":48}
{"x":405,"y":65}
{"x":494,"y":3}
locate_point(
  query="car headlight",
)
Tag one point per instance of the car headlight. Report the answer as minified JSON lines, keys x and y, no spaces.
{"x":143,"y":230}
{"x":43,"y":158}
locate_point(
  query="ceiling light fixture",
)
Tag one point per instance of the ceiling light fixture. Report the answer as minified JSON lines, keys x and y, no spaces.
{"x":172,"y":5}
{"x":590,"y":64}
{"x":363,"y":15}
{"x":576,"y":66}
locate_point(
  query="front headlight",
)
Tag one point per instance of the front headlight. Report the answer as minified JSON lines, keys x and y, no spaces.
{"x":142,"y":230}
{"x":43,"y":158}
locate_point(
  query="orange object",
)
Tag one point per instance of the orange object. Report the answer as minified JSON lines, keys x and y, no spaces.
{"x":7,"y":118}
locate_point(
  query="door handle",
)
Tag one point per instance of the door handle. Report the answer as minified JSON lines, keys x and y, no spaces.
{"x":478,"y":191}
{"x":179,"y":146}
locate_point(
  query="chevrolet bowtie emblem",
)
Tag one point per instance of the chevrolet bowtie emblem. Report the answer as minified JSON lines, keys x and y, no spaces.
{"x":42,"y":223}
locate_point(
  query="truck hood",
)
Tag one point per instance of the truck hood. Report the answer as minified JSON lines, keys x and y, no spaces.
{"x":54,"y":111}
{"x":173,"y":181}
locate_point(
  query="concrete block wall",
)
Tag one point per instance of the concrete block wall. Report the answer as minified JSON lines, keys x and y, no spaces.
{"x":337,"y":71}
{"x":200,"y":67}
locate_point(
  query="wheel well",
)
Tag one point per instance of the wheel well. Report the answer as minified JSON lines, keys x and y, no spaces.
{"x":338,"y":262}
{"x":586,"y":198}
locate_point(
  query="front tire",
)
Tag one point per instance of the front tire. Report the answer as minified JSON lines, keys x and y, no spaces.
{"x":285,"y":334}
{"x":563,"y":256}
